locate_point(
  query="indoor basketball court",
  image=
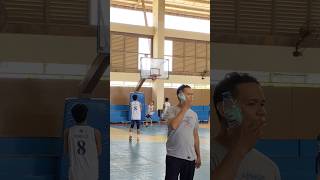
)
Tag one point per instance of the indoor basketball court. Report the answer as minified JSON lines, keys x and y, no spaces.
{"x":152,"y":66}
{"x":145,"y":158}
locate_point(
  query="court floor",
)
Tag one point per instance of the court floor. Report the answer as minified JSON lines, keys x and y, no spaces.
{"x":145,"y":160}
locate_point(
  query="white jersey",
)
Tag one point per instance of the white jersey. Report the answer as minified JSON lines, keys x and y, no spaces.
{"x":166,"y":107}
{"x":135,"y":110}
{"x":84,"y":163}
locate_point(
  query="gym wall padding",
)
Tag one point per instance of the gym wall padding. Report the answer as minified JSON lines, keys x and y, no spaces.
{"x":295,"y":158}
{"x":32,"y":158}
{"x":120,"y":113}
{"x":38,"y":158}
{"x":34,"y":107}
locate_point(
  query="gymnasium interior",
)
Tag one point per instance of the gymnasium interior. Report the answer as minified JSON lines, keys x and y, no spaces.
{"x":52,"y":55}
{"x":178,"y":32}
{"x":278,"y":43}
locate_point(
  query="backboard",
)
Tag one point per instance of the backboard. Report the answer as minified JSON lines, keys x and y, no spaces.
{"x":154,"y":68}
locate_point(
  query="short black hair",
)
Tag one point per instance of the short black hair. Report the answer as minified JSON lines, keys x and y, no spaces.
{"x":79,"y":112}
{"x":166,"y":99}
{"x":230,"y":83}
{"x":134,"y":97}
{"x":182,"y":87}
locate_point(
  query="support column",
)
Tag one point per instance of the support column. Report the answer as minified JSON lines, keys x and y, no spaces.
{"x":158,"y":49}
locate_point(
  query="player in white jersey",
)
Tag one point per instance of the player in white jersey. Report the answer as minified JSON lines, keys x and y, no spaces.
{"x":135,"y":107}
{"x":166,"y":106}
{"x":83,"y":145}
{"x":150,"y":113}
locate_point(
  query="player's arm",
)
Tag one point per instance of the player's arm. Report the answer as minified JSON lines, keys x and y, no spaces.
{"x":98,"y":141}
{"x":66,"y":141}
{"x":197,"y":146}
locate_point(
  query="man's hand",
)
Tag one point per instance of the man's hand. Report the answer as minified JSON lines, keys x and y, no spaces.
{"x":198,"y":162}
{"x":249,"y":134}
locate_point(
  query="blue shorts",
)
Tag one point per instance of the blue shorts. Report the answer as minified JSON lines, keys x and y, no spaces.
{"x":135,"y":122}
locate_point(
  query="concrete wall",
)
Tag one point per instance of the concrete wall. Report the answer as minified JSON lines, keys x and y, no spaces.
{"x":47,"y":49}
{"x":263,"y":58}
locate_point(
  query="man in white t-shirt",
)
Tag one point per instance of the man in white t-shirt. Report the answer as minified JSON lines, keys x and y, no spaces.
{"x":166,"y":106}
{"x":135,"y":107}
{"x":83,"y":145}
{"x":233,"y":156}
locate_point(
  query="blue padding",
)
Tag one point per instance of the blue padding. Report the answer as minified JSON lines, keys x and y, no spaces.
{"x":119,"y":120}
{"x":295,"y":164}
{"x":202,"y":115}
{"x":307,"y":165}
{"x":30,"y":146}
{"x":155,"y":117}
{"x":202,"y":118}
{"x":29,"y":165}
{"x":279,"y":148}
{"x":119,"y":114}
{"x":18,"y":176}
{"x":205,"y":120}
{"x":287,"y":164}
{"x":119,"y":108}
{"x":206,"y":108}
{"x":296,"y":169}
{"x":297,"y":175}
{"x":197,"y":108}
{"x":308,"y":148}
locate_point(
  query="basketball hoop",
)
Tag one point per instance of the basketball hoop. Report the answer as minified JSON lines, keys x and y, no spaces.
{"x":154,"y":68}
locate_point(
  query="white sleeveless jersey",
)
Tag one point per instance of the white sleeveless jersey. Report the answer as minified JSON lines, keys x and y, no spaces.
{"x":84,"y":163}
{"x":135,"y":110}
